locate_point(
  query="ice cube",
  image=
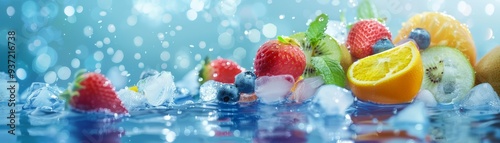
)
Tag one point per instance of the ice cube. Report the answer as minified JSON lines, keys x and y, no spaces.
{"x":482,"y":96}
{"x":158,"y":88}
{"x":426,"y":97}
{"x":273,"y":89}
{"x":306,"y":88}
{"x":413,"y":119}
{"x":34,"y":86}
{"x":208,"y":90}
{"x":132,"y":100}
{"x":147,"y":73}
{"x":45,"y":99}
{"x":333,"y":99}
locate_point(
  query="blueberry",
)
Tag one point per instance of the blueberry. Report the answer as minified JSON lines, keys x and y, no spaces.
{"x":382,"y":45}
{"x":227,"y":93}
{"x":245,"y":82}
{"x":422,"y":37}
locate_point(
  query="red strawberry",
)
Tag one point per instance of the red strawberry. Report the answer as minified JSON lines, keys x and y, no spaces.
{"x":93,"y":92}
{"x":278,"y":57}
{"x":363,"y":35}
{"x":221,"y":70}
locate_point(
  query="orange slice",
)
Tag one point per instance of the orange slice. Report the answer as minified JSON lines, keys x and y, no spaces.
{"x":391,"y":77}
{"x":444,"y":30}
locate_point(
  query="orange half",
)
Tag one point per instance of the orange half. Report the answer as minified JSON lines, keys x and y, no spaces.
{"x":391,"y":77}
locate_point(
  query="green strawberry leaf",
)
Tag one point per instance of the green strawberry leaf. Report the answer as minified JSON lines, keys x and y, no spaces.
{"x":316,"y":30}
{"x":366,"y":10}
{"x":330,"y":70}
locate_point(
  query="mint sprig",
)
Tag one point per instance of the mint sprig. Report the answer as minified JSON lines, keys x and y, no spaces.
{"x":330,"y":70}
{"x":317,"y":28}
{"x":366,"y":10}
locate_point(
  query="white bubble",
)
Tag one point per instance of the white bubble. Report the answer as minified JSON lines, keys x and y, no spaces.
{"x":254,"y":35}
{"x":166,"y":18}
{"x":118,"y":57}
{"x":98,"y":55}
{"x":64,"y":73}
{"x":106,"y":40}
{"x":239,"y":53}
{"x":137,"y":56}
{"x":161,"y":36}
{"x":132,"y":20}
{"x":170,"y":136}
{"x":98,"y":44}
{"x":202,"y":44}
{"x":224,"y":23}
{"x":75,"y":63}
{"x":103,"y":13}
{"x":489,"y":34}
{"x":140,"y":65}
{"x":110,"y":51}
{"x":79,"y":9}
{"x":464,"y":8}
{"x":78,"y":52}
{"x":165,"y":56}
{"x":21,"y":73}
{"x":172,"y":33}
{"x":281,"y":16}
{"x":184,"y":63}
{"x":37,"y":42}
{"x":197,"y":5}
{"x":191,"y":15}
{"x":165,"y":44}
{"x":42,"y":62}
{"x":225,"y":39}
{"x":138,"y":41}
{"x":269,"y":30}
{"x":98,"y":65}
{"x":121,"y":67}
{"x":489,"y":9}
{"x":164,"y":66}
{"x":178,"y":28}
{"x":11,"y":11}
{"x":197,"y":57}
{"x":50,"y":77}
{"x":69,"y":10}
{"x":111,"y":28}
{"x":72,"y":19}
{"x":88,"y":31}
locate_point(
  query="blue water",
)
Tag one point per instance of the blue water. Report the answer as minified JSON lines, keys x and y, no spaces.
{"x":212,"y":122}
{"x":121,"y":39}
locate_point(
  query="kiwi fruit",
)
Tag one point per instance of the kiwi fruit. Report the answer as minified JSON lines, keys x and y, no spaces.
{"x":448,"y":74}
{"x":327,"y":46}
{"x":488,"y":69}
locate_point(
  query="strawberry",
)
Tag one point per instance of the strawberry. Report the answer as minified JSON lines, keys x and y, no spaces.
{"x":93,"y":92}
{"x":278,"y":57}
{"x":363,"y":35}
{"x":221,"y":70}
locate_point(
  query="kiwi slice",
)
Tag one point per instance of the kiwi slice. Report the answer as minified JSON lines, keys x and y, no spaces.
{"x":447,"y":74}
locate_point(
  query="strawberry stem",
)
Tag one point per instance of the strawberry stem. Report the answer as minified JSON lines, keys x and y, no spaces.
{"x":287,"y":40}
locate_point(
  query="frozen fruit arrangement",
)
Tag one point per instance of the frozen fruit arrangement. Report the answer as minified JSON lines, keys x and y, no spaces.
{"x":431,"y":59}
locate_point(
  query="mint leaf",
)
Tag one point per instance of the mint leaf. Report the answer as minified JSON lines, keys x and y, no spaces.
{"x":366,"y":10}
{"x":330,"y":70}
{"x":316,"y":29}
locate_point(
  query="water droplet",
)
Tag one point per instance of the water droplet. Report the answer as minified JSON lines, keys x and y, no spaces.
{"x":164,"y":66}
{"x":321,"y":19}
{"x":75,"y":63}
{"x":118,"y":57}
{"x":225,"y":39}
{"x":464,"y":8}
{"x":254,"y":35}
{"x":111,"y":28}
{"x":202,"y":44}
{"x":98,"y":55}
{"x":165,"y":56}
{"x":69,"y":10}
{"x":191,"y":15}
{"x":138,"y":41}
{"x":210,"y":49}
{"x":79,"y":9}
{"x":50,"y":77}
{"x":165,"y":44}
{"x":489,"y":9}
{"x":269,"y":30}
{"x":88,"y":31}
{"x":21,"y":73}
{"x":98,"y":44}
{"x":11,"y":11}
{"x":64,"y":73}
{"x":132,"y":20}
{"x":137,"y":56}
{"x":166,"y":18}
{"x":282,"y":16}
